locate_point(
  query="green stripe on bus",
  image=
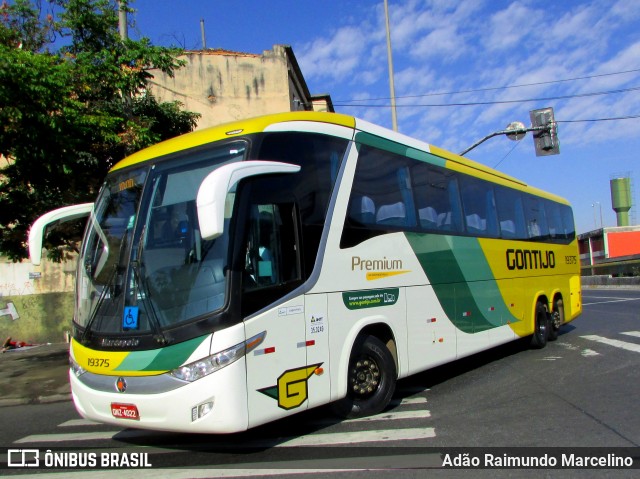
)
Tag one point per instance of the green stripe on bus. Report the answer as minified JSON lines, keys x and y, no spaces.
{"x":398,"y":148}
{"x":163,"y":359}
{"x":462,"y":280}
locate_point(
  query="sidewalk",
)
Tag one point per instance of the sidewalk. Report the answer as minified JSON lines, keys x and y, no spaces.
{"x":33,"y":375}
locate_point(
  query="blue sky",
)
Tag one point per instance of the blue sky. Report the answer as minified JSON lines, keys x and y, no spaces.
{"x":580,"y":57}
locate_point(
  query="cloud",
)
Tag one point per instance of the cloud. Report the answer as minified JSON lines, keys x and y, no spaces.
{"x":336,"y":56}
{"x":509,"y":28}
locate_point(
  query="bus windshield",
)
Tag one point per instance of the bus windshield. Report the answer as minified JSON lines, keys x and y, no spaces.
{"x":144,"y":266}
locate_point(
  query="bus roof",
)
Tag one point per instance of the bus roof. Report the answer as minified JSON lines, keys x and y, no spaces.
{"x":229,"y":130}
{"x":262,"y":123}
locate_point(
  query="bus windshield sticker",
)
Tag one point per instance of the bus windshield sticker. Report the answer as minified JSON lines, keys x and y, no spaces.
{"x":287,"y":310}
{"x":130,"y":318}
{"x":371,"y":298}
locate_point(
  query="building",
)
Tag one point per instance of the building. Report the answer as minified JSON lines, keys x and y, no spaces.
{"x":610,"y":251}
{"x":226,"y":86}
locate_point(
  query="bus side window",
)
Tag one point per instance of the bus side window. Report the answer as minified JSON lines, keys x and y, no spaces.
{"x":510,"y":213}
{"x":537,"y":226}
{"x":381,"y":196}
{"x":552,"y":211}
{"x":479,"y":207}
{"x":568,"y":223}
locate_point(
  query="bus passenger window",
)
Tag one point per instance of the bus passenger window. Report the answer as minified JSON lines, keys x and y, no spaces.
{"x":437,"y":200}
{"x":479,"y":207}
{"x":568,"y":223}
{"x":552,"y":211}
{"x":362,"y":210}
{"x":537,"y":226}
{"x":510,"y":213}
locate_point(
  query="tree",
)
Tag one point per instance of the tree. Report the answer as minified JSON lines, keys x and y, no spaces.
{"x":68,"y":113}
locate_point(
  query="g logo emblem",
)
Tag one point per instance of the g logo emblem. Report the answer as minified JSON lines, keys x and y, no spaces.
{"x":292,"y":389}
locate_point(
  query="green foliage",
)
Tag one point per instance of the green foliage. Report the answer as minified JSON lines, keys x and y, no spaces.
{"x":69,"y":113}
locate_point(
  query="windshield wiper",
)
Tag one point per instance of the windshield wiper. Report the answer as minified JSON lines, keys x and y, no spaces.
{"x":136,"y":266}
{"x":103,"y":295}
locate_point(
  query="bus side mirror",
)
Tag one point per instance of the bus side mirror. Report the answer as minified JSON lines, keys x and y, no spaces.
{"x":60,"y":215}
{"x":215,"y":187}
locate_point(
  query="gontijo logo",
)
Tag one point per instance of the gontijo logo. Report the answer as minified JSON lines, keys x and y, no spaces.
{"x":530,"y":259}
{"x":377,"y":268}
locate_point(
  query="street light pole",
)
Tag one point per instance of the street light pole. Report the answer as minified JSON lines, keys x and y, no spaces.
{"x":394,"y":118}
{"x":594,"y":214}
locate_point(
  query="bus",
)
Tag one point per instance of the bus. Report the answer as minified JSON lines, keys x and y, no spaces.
{"x":243,"y":273}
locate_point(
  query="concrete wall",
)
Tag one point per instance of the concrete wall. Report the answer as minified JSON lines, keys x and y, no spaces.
{"x":226,"y":86}
{"x":36,"y":304}
{"x":42,"y":318}
{"x":600,"y":281}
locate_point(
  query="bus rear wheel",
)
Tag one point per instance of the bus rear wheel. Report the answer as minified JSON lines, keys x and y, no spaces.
{"x":557,"y":319}
{"x":371,"y":380}
{"x":541,"y":328}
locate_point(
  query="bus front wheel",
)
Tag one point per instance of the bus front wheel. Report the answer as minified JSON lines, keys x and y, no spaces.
{"x":371,"y":379}
{"x":541,"y":327}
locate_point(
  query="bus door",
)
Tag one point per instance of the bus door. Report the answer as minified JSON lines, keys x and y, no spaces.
{"x":318,"y":377}
{"x":277,"y":369}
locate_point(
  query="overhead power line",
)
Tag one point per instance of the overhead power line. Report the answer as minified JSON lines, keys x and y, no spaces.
{"x":497,"y":102}
{"x":630,"y":117}
{"x":505,"y":87}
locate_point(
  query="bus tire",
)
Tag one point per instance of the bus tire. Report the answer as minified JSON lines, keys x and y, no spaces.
{"x":556,"y":320}
{"x":541,"y":327}
{"x":371,"y":379}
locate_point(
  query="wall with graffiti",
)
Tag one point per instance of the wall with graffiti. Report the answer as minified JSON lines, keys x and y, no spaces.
{"x":36,"y":304}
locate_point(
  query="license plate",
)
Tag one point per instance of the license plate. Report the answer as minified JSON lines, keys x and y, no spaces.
{"x":125,"y":411}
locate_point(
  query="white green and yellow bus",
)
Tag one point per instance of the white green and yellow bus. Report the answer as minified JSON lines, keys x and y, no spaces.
{"x":243,"y":273}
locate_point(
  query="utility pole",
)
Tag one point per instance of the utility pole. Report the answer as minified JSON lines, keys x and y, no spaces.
{"x":394,"y":118}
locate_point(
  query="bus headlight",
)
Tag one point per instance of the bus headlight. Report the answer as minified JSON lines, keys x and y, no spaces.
{"x":76,"y":368}
{"x":205,"y":366}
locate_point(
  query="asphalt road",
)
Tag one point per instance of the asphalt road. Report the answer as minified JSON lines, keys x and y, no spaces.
{"x":580,"y":391}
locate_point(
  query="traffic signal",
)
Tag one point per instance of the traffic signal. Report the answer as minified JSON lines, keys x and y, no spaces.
{"x":545,"y":134}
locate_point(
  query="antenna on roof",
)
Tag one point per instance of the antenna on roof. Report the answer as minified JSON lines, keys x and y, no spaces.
{"x":204,"y":40}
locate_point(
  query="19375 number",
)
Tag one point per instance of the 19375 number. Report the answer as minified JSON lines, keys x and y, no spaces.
{"x":98,"y":362}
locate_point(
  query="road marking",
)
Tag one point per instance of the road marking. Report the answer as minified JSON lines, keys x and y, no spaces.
{"x":355,"y":437}
{"x":632,"y":333}
{"x":73,"y":436}
{"x":79,"y":422}
{"x":619,"y":300}
{"x":589,"y":353}
{"x":614,"y":342}
{"x":411,"y":400}
{"x":394,"y":416}
{"x":568,"y":346}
